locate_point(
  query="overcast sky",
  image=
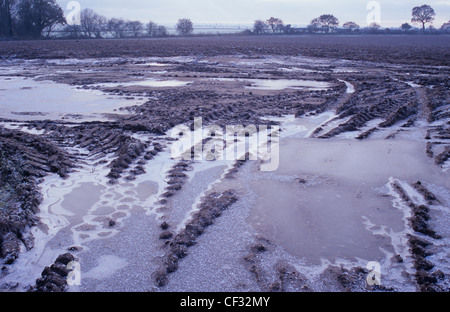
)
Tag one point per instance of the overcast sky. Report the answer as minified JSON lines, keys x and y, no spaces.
{"x":296,"y":12}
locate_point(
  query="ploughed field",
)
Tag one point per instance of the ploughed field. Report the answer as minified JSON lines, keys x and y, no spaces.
{"x":422,"y":50}
{"x":358,"y":199}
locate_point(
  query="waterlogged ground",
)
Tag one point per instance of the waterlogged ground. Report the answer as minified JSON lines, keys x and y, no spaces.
{"x":24,"y":98}
{"x":362,"y":173}
{"x":329,"y":204}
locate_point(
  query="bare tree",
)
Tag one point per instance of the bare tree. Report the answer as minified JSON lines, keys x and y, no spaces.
{"x":91,"y":23}
{"x":6,"y":26}
{"x":161,"y":31}
{"x":260,"y":27}
{"x":350,"y":26}
{"x":33,"y":16}
{"x":184,"y":26}
{"x":116,"y":27}
{"x":374,"y":27}
{"x":423,"y":14}
{"x":48,"y":14}
{"x":24,"y":18}
{"x":135,"y":27}
{"x":87,"y":21}
{"x":314,"y":26}
{"x":47,"y":31}
{"x":325,"y":22}
{"x":406,"y":27}
{"x":446,"y":27}
{"x":151,"y":29}
{"x":275,"y":24}
{"x":73,"y":31}
{"x":99,"y":25}
{"x":287,"y":29}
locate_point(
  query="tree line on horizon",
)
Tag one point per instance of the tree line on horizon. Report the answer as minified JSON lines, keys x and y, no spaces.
{"x":34,"y":19}
{"x":328,"y":23}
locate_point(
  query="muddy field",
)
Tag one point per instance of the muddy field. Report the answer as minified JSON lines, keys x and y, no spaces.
{"x":422,"y":50}
{"x":89,"y":175}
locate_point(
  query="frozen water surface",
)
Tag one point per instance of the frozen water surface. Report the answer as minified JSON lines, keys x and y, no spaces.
{"x":28,"y":99}
{"x":154,"y":83}
{"x":281,"y":84}
{"x":329,"y":203}
{"x":319,"y":213}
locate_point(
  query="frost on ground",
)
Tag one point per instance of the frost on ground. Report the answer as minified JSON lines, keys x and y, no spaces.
{"x":362,"y":175}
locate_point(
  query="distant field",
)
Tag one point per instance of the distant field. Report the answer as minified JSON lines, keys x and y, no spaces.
{"x":423,"y":50}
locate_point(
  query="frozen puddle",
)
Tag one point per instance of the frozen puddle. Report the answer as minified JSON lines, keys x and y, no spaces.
{"x":329,"y":203}
{"x":153,"y":64}
{"x":281,"y":84}
{"x":350,"y":87}
{"x":153,"y":83}
{"x":28,"y":99}
{"x":314,"y":204}
{"x":102,"y":223}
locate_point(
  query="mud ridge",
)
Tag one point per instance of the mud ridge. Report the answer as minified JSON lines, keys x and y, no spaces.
{"x":176,"y":178}
{"x":211,"y":208}
{"x":25,"y":159}
{"x":421,"y":247}
{"x":99,"y":140}
{"x":396,"y":104}
{"x":54,"y":277}
{"x":282,"y":277}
